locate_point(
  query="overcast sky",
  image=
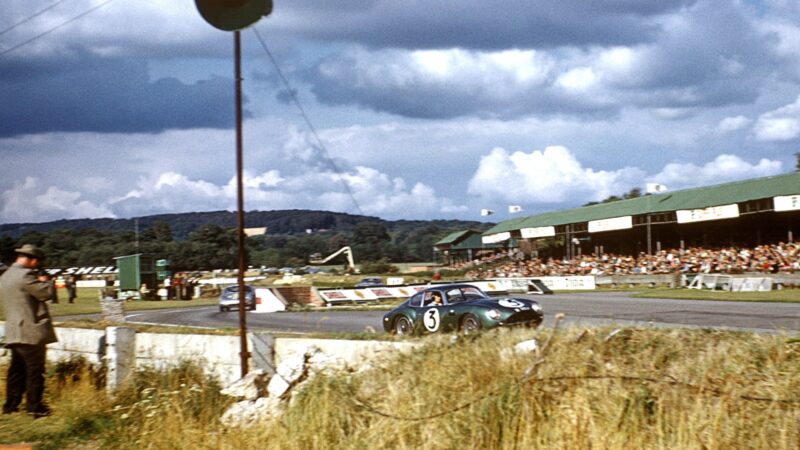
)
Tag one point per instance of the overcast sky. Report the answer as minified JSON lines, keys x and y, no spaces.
{"x":429,"y":109}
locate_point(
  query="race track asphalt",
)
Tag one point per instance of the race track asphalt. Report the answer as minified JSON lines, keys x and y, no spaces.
{"x":582,"y":309}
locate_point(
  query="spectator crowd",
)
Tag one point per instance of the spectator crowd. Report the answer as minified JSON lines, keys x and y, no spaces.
{"x":775,"y":258}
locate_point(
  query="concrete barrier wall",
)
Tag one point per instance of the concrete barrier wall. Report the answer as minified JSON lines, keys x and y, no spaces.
{"x":218,"y":355}
{"x":89,"y":344}
{"x":671,"y":280}
{"x":679,"y":280}
{"x":123,"y":351}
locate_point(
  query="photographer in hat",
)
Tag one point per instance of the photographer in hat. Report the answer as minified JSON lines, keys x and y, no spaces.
{"x":28,"y":331}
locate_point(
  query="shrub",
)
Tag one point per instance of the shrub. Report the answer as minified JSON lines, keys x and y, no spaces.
{"x":381,"y":266}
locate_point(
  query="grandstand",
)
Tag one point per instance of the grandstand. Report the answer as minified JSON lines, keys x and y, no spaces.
{"x":744,"y":213}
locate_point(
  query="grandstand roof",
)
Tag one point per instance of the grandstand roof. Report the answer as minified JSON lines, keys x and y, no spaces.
{"x":695,"y":198}
{"x":454,"y":237}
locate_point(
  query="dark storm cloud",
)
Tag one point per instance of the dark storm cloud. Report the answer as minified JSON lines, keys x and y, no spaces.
{"x":339,"y":80}
{"x":715,"y":58}
{"x":704,"y":57}
{"x":84,"y":93}
{"x":480,"y":24}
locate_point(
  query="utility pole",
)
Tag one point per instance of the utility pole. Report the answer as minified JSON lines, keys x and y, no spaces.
{"x":234,"y":15}
{"x":244,"y":354}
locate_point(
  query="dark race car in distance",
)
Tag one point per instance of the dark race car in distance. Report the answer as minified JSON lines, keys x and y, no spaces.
{"x":370,"y":282}
{"x":229,"y":298}
{"x":459,"y":307}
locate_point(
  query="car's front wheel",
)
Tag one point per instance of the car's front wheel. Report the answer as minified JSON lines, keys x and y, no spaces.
{"x":402,"y":326}
{"x":223,"y":308}
{"x":470,"y":324}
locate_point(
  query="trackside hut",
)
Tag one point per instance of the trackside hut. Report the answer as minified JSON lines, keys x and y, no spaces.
{"x":742,"y":213}
{"x":464,"y":246}
{"x":442,"y":248}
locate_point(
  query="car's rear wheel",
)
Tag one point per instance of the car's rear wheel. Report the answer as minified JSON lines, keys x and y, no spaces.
{"x":223,"y":308}
{"x":402,"y":326}
{"x":470,"y":324}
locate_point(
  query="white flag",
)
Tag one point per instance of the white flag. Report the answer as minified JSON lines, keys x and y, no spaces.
{"x":514,"y":208}
{"x":486,"y":212}
{"x":654,"y":188}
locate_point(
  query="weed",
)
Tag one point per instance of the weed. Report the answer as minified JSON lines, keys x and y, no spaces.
{"x":637,"y":388}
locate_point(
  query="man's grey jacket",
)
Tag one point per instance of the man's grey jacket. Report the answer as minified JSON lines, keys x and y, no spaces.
{"x":27,"y":317}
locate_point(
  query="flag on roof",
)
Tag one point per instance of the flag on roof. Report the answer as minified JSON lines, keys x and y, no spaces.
{"x":514,"y":208}
{"x":486,"y":212}
{"x":654,"y":188}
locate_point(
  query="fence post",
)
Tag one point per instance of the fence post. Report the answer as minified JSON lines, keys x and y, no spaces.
{"x":120,"y":355}
{"x":263,"y":351}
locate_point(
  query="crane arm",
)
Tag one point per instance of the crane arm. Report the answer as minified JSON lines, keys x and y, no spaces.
{"x":345,"y":249}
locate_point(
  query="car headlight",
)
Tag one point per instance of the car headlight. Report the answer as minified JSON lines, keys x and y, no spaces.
{"x":536,"y":307}
{"x":493,"y":314}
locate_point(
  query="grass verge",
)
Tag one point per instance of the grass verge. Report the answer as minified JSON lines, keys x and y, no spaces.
{"x":784,"y":295}
{"x":636,"y":388}
{"x":88,"y":302}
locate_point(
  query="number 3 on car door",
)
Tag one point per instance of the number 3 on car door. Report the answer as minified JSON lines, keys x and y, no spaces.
{"x":431,"y":320}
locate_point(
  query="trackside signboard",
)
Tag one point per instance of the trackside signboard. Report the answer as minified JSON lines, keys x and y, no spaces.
{"x":787,"y":202}
{"x":710,"y":213}
{"x":338,"y":295}
{"x":99,"y":270}
{"x":614,"y":223}
{"x":497,"y":285}
{"x":529,"y":233}
{"x":495,"y":238}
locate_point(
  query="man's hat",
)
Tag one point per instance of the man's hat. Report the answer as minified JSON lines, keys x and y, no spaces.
{"x":31,"y":250}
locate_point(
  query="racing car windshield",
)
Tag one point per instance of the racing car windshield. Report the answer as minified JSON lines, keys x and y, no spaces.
{"x":473,"y":293}
{"x":464,"y":293}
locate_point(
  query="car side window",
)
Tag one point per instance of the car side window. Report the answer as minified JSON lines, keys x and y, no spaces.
{"x":416,"y":300}
{"x":454,"y":296}
{"x":431,"y":298}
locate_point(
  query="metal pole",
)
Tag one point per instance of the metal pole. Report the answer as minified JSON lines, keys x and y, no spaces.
{"x":244,"y":354}
{"x":568,"y":237}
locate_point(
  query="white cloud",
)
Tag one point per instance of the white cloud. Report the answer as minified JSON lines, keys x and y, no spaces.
{"x":456,"y":82}
{"x":673,"y":75}
{"x":555,"y":175}
{"x":550,"y":176}
{"x":619,"y":65}
{"x":29,"y":201}
{"x":378,"y":194}
{"x":784,"y":32}
{"x":374,"y":192}
{"x":496,"y":71}
{"x":673,"y":113}
{"x":722,"y":169}
{"x":730,"y":124}
{"x":577,"y":79}
{"x":782,"y":124}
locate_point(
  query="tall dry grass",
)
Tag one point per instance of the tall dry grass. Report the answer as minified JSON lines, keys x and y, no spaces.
{"x":640,"y":388}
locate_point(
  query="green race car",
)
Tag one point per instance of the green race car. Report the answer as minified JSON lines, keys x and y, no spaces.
{"x":459,"y":307}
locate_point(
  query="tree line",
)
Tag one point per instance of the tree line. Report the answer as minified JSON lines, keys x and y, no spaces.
{"x":211,"y":246}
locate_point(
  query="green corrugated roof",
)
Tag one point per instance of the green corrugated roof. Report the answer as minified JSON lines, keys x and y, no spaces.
{"x":455,"y":236}
{"x":695,"y":198}
{"x":473,"y":241}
